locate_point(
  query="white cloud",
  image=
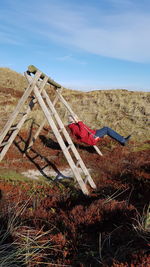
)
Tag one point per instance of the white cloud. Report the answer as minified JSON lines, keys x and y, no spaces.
{"x":64,"y":58}
{"x":128,"y":41}
{"x":122,"y":36}
{"x":70,"y":58}
{"x":121,"y":33}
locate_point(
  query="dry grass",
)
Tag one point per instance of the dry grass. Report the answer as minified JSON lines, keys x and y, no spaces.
{"x":21,"y":245}
{"x":142,"y":225}
{"x":126,"y":112}
{"x":12,"y":79}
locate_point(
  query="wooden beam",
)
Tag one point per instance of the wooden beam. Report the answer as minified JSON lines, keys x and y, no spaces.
{"x":32,"y":69}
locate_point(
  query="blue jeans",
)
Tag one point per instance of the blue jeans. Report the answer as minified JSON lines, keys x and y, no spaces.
{"x":108,"y":131}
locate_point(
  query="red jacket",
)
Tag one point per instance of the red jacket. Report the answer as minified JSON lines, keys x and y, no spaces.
{"x":83,"y":133}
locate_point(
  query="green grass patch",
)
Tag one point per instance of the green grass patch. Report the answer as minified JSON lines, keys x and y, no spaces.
{"x":14,"y":177}
{"x":11,"y":175}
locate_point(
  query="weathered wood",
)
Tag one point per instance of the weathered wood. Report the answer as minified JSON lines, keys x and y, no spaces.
{"x":41,"y":86}
{"x":4,"y":144}
{"x":65,"y":103}
{"x":19,"y":106}
{"x":44,"y":82}
{"x":60,"y":140}
{"x":13,"y":135}
{"x":10,"y":122}
{"x":33,"y":69}
{"x":98,"y":151}
{"x":64,"y":131}
{"x":37,"y":86}
{"x":69,"y":140}
{"x":12,"y":128}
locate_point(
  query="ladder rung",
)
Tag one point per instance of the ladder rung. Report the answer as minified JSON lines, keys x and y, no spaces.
{"x":68,"y":147}
{"x":78,"y":162}
{"x":61,"y":129}
{"x":4,"y":144}
{"x":86,"y":179}
{"x":13,"y":128}
{"x":52,"y":113}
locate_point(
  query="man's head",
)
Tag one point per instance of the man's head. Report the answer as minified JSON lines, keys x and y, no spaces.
{"x":71,"y":119}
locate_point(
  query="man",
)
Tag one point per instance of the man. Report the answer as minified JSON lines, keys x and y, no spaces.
{"x":89,"y":136}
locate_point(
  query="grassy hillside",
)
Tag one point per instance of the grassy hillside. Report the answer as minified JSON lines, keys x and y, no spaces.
{"x":46,"y":221}
{"x":127,"y":112}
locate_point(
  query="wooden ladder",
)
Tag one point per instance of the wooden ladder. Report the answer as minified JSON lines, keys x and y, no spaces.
{"x":59,"y":130}
{"x":9,"y":132}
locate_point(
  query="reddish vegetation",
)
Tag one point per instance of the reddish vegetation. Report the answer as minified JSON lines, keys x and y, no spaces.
{"x":9,"y":92}
{"x":94,"y":230}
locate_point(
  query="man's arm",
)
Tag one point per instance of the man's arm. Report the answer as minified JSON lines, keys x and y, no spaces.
{"x":78,"y":129}
{"x":82,"y":129}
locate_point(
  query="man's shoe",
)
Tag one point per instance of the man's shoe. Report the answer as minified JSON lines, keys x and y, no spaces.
{"x":126,"y":140}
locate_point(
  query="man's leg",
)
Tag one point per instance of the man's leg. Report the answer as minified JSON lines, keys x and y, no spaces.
{"x":108,"y":131}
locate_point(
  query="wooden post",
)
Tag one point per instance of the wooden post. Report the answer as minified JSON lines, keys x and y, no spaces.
{"x":33,"y":69}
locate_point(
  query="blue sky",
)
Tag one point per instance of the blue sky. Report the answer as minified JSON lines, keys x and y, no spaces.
{"x":82,"y":44}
